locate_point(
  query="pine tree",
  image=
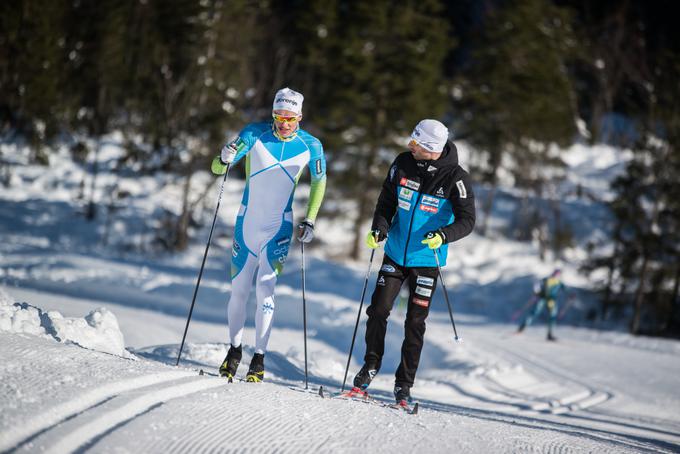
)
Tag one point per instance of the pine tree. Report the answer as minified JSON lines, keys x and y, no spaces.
{"x":516,"y":96}
{"x":380,"y":72}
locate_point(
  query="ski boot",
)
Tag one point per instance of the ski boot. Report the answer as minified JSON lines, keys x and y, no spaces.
{"x":402,"y":394}
{"x":365,"y":376}
{"x":551,"y":337}
{"x":231,"y":362}
{"x":521,"y":327}
{"x":256,"y":371}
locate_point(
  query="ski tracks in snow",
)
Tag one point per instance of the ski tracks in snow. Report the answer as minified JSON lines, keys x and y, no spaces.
{"x":79,"y":422}
{"x":550,"y":396}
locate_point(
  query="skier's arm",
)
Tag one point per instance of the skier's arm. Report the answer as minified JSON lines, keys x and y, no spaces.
{"x":463,"y":203}
{"x":387,"y":202}
{"x":242,"y":144}
{"x":317,"y":169}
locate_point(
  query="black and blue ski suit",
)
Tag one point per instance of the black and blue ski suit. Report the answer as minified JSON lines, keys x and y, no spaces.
{"x":417,"y":197}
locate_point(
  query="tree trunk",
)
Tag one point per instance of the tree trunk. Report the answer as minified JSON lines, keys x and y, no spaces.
{"x":610,"y":274}
{"x":488,"y":206}
{"x":91,"y":212}
{"x":366,"y":175}
{"x":181,"y":230}
{"x":358,"y":222}
{"x":674,"y":303}
{"x":639,"y":295}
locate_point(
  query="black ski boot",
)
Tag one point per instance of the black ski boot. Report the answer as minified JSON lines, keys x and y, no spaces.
{"x":231,"y":362}
{"x":521,"y":327}
{"x":402,"y":394}
{"x":365,"y":376}
{"x":551,"y":337}
{"x":256,"y":371}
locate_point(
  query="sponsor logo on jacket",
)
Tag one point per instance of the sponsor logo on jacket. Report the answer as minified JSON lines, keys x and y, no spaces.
{"x":429,"y":208}
{"x":388,"y":268}
{"x":409,"y":183}
{"x":440,"y":192}
{"x":381,"y":281}
{"x":429,"y":200}
{"x":422,"y":280}
{"x":405,"y":193}
{"x":318,"y":166}
{"x":421,"y":302}
{"x":461,"y":189}
{"x":404,"y":205}
{"x":422,"y":291}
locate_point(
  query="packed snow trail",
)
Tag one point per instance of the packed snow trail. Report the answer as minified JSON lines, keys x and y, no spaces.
{"x":485,"y":397}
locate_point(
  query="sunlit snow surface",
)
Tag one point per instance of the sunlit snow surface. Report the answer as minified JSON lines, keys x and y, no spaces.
{"x":90,"y":331}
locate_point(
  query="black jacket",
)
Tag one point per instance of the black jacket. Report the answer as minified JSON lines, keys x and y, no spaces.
{"x":422,"y":196}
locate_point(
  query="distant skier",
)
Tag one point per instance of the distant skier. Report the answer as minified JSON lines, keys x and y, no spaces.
{"x":276,"y":154}
{"x":545,"y":294}
{"x":425,"y":192}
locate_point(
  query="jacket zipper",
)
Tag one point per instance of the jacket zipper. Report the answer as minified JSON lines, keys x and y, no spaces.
{"x":410,"y":226}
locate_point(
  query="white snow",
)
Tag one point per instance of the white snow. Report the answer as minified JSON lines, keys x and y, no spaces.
{"x":89,"y":337}
{"x":98,"y":330}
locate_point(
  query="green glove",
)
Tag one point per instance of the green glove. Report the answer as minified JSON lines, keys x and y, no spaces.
{"x":371,"y":240}
{"x":434,"y":240}
{"x":217,"y":167}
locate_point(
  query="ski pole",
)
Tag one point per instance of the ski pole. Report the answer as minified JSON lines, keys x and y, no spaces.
{"x":304,"y":307}
{"x":533,"y":300}
{"x":363,"y":293}
{"x":566,"y":307}
{"x":200,"y":273}
{"x":446,"y":295}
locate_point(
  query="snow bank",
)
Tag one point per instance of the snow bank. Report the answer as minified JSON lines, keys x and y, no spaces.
{"x":98,"y":330}
{"x":19,"y":318}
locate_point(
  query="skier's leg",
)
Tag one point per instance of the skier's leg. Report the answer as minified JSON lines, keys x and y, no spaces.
{"x":536,"y":312}
{"x":422,"y":283}
{"x":243,"y":265}
{"x":390,"y":278}
{"x":272,"y":258}
{"x":552,"y":309}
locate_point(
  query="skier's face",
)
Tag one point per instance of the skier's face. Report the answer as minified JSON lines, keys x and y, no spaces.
{"x":421,"y":154}
{"x":286,"y":122}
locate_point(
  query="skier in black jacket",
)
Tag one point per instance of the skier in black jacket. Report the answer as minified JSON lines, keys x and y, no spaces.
{"x":426,"y":202}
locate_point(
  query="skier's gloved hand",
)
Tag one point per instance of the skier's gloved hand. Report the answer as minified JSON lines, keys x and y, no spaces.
{"x":434,"y":240}
{"x":217,"y":167}
{"x":228,"y":153}
{"x":374,"y":237}
{"x":305,"y":231}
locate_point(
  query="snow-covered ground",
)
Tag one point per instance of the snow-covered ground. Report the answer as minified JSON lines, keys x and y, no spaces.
{"x":68,"y":304}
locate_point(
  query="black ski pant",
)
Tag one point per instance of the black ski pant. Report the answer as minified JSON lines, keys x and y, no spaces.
{"x":421,"y":282}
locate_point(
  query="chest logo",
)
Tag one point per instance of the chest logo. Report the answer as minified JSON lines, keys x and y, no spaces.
{"x":409,"y":183}
{"x":405,"y":193}
{"x":440,"y":192}
{"x":404,"y":205}
{"x":428,"y":208}
{"x":430,"y":201}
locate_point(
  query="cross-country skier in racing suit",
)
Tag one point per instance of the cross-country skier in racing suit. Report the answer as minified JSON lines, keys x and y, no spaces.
{"x":276,"y":154}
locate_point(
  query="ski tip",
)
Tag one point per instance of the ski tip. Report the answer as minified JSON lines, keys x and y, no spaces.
{"x":414,"y":411}
{"x":200,"y":372}
{"x":321,"y":391}
{"x":458,"y":339}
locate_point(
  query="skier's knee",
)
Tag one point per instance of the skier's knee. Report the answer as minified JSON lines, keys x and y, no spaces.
{"x":378,"y":310}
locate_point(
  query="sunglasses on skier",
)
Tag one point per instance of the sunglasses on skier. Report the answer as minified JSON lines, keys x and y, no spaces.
{"x":285,"y":119}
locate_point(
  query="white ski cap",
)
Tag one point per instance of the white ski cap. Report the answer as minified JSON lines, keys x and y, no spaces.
{"x":287,"y":99}
{"x":431,"y":135}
